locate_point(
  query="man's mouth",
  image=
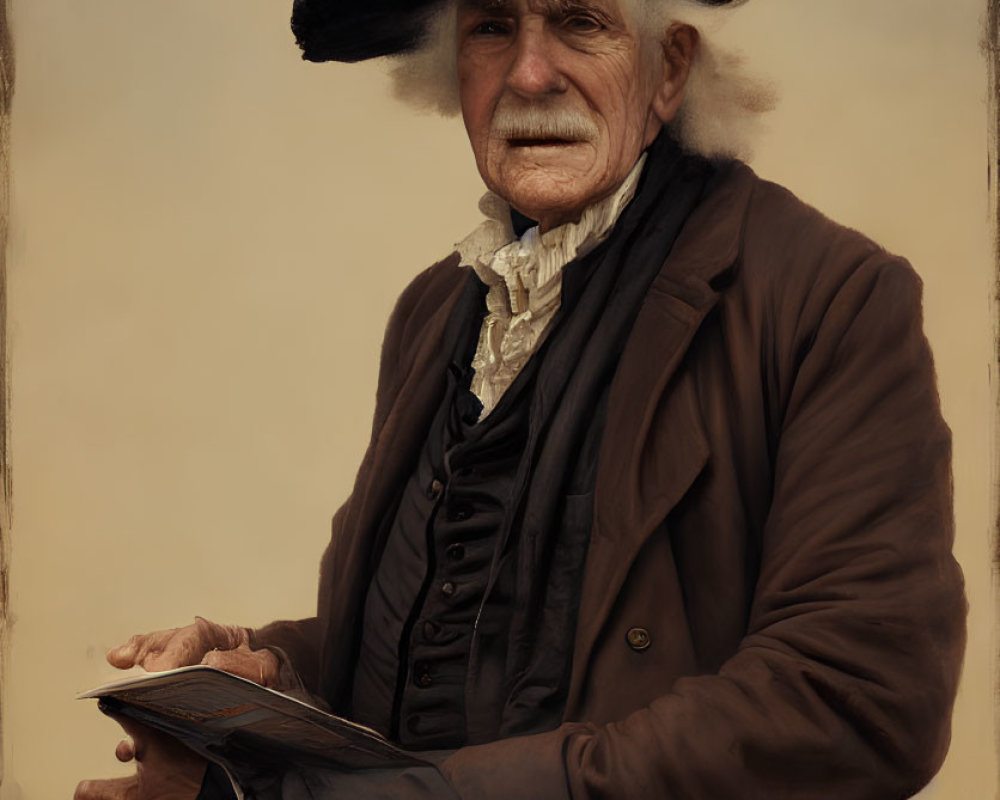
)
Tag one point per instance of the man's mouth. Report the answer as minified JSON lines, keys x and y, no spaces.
{"x":539,"y":142}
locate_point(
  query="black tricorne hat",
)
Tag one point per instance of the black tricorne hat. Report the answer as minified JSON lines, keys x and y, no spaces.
{"x":354,"y":30}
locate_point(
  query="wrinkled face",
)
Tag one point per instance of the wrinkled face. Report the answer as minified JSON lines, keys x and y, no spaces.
{"x":557,"y":100}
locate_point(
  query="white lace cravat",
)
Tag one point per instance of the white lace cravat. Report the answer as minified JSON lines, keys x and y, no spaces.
{"x":524,"y":277}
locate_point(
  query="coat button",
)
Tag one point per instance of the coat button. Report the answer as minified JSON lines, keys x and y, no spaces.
{"x":435,"y":489}
{"x":638,"y":639}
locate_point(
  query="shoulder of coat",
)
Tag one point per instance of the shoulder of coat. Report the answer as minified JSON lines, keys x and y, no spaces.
{"x":789,"y":248}
{"x":428,"y":291}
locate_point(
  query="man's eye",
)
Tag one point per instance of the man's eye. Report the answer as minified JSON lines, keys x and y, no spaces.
{"x":583,"y":23}
{"x":492,"y":27}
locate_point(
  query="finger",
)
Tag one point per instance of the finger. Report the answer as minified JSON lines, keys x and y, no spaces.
{"x":185,"y":646}
{"x":124,"y":655}
{"x":109,"y":789}
{"x":139,"y":737}
{"x":259,"y":666}
{"x":139,"y":647}
{"x":169,"y":649}
{"x":125,"y":751}
{"x":179,"y":654}
{"x":176,"y":647}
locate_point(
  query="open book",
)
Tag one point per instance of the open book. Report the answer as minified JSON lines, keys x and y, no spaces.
{"x":249,"y":730}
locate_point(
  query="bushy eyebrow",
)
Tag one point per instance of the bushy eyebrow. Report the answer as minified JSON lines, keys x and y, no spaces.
{"x":566,"y":7}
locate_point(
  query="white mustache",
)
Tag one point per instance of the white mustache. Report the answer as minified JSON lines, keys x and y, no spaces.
{"x":540,"y":122}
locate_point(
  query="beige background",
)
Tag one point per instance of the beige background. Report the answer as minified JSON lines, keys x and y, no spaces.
{"x":208,"y":235}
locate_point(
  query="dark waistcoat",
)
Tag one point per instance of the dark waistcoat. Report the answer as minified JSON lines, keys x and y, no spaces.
{"x":429,"y":594}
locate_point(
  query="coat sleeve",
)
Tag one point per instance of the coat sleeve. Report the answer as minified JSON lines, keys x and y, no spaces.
{"x":843,"y":684}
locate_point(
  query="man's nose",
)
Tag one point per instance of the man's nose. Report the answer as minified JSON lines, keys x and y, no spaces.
{"x":534,"y":71}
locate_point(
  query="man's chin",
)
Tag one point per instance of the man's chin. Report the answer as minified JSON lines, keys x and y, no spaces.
{"x":549,"y":182}
{"x":545,"y":200}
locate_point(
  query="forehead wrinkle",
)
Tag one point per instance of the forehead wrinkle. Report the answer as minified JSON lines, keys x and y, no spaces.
{"x":489,"y":6}
{"x":547,"y":7}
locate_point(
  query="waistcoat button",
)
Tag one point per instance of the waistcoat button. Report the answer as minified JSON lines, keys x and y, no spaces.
{"x":638,"y":639}
{"x":455,"y":552}
{"x":431,"y":630}
{"x":447,"y":588}
{"x":422,"y":675}
{"x":459,"y":513}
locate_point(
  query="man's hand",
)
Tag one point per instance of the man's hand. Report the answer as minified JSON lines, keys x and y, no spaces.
{"x":225,"y":647}
{"x":165,"y":769}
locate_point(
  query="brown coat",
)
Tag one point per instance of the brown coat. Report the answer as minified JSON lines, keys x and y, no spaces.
{"x":773,"y":506}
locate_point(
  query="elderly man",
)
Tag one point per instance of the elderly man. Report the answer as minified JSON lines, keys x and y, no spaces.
{"x":657,"y":502}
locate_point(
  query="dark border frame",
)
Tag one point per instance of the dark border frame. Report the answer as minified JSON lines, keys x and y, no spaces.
{"x":6,"y":95}
{"x":991,"y":50}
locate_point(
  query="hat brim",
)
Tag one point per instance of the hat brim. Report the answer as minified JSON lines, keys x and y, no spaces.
{"x":341,"y":30}
{"x":335,"y":30}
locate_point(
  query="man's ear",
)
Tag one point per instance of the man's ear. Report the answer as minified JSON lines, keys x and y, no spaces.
{"x":679,"y":47}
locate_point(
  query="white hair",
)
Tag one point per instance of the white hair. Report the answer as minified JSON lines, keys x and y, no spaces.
{"x":723,"y":102}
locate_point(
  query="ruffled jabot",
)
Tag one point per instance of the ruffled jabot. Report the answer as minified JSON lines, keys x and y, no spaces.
{"x":524,"y":280}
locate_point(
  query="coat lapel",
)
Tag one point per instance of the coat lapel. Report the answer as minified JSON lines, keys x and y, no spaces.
{"x":654,"y":445}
